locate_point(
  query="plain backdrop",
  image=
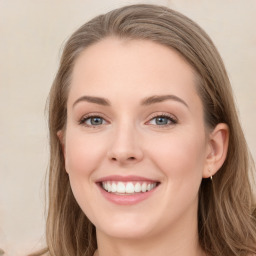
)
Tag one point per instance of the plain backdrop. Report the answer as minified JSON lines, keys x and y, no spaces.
{"x":32,"y":34}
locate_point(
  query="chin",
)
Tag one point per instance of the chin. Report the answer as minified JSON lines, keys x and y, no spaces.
{"x":128,"y":234}
{"x":126,"y":228}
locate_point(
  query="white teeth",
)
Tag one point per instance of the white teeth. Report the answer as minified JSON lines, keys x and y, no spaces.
{"x":137,"y":187}
{"x":120,"y":187}
{"x":144,"y":187}
{"x":128,"y":187}
{"x":109,"y":187}
{"x":114,"y":188}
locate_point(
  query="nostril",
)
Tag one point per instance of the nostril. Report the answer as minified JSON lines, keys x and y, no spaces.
{"x":129,"y":158}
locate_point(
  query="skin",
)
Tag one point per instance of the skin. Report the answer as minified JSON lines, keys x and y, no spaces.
{"x":130,"y":141}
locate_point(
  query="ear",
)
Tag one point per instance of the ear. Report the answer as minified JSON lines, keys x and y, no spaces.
{"x":61,"y":137}
{"x":217,"y":149}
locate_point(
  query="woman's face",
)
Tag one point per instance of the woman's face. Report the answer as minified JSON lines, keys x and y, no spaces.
{"x":135,"y":143}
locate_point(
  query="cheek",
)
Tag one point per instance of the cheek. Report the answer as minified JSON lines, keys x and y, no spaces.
{"x":181,"y":160}
{"x":82,"y":152}
{"x":180,"y":156}
{"x":83,"y":155}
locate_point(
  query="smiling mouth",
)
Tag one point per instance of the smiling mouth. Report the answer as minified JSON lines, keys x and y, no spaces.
{"x":128,"y":188}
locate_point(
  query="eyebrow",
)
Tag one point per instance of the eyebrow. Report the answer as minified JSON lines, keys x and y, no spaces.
{"x":93,"y":99}
{"x":145,"y":102}
{"x":157,"y":99}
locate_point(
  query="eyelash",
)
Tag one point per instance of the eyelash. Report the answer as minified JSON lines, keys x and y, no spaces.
{"x":173,"y":120}
{"x":90,"y":116}
{"x":170,"y":118}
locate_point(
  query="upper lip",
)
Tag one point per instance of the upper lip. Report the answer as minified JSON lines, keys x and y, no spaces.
{"x":125,"y":178}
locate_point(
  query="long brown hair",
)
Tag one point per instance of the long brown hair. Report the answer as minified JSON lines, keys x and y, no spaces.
{"x":226,"y":212}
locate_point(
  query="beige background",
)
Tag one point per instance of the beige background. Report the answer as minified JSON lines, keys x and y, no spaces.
{"x":31,"y":35}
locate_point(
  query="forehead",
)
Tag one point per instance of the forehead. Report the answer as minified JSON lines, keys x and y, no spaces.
{"x":117,"y":67}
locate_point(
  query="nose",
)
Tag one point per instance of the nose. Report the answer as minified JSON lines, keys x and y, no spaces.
{"x":125,"y":146}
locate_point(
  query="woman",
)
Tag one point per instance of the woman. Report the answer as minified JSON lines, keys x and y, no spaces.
{"x":147,"y":153}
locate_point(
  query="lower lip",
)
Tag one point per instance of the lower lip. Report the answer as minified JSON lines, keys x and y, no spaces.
{"x":126,"y":199}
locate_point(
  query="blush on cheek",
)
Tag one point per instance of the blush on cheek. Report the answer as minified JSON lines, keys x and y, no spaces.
{"x":179,"y":158}
{"x":79,"y":162}
{"x":82,"y":154}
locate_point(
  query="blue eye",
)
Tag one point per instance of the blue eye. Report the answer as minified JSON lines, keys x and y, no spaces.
{"x":162,"y":120}
{"x":93,"y":121}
